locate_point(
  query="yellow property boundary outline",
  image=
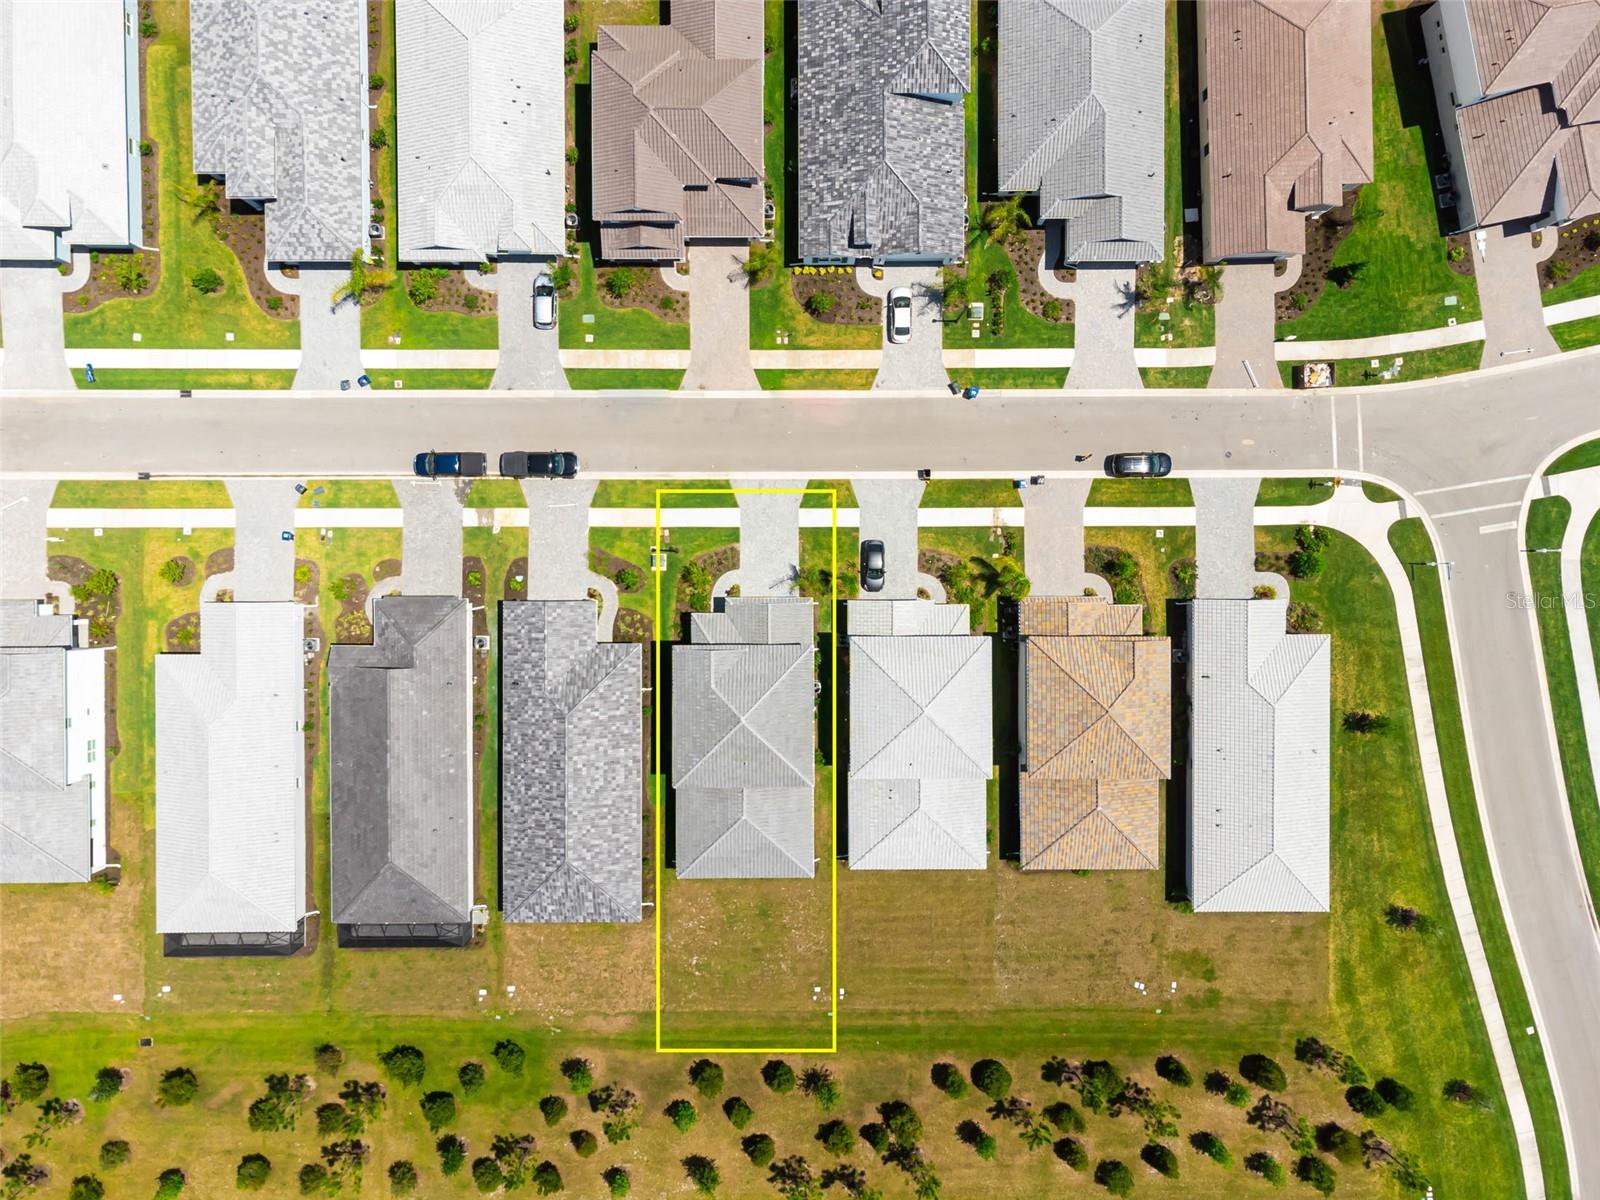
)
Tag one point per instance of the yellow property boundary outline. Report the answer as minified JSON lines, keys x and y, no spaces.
{"x":659,"y":799}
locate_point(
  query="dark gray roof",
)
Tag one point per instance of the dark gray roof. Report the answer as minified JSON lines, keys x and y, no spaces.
{"x":882,"y":130}
{"x":400,"y":775}
{"x":1080,"y":121}
{"x":571,"y":766}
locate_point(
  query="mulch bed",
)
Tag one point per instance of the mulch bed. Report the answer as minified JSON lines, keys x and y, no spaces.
{"x":1025,"y":250}
{"x":1462,"y":264}
{"x":1578,"y":251}
{"x":187,"y":566}
{"x":386,"y":568}
{"x":219,"y":562}
{"x":634,"y":626}
{"x":312,"y":628}
{"x":375,"y":68}
{"x":648,"y":291}
{"x":351,"y":625}
{"x":244,"y":231}
{"x":305,"y":591}
{"x":1323,"y":237}
{"x":149,"y":164}
{"x":183,"y":634}
{"x":851,"y":306}
{"x":609,"y":565}
{"x":454,"y":293}
{"x":717,"y":563}
{"x":936,"y":562}
{"x":515,"y":585}
{"x":102,"y":282}
{"x":100,"y":611}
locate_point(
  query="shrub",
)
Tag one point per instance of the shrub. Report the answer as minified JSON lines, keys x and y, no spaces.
{"x":876,"y":1135}
{"x":1459,"y":1091}
{"x":682,"y":1115}
{"x":472,"y":1076}
{"x":706,"y":1077}
{"x":554,"y":1108}
{"x":584,"y":1142}
{"x":402,"y":1178}
{"x":1312,"y":1170}
{"x":1366,"y":1101}
{"x":619,"y":282}
{"x":1560,"y":269}
{"x":758,"y":1148}
{"x":29,"y":1081}
{"x":1211,"y":1146}
{"x":991,"y":1078}
{"x":177,"y":1087}
{"x":252,"y":1172}
{"x":618,"y":1181}
{"x":170,"y":1184}
{"x":738,"y":1112}
{"x":1335,"y":1139}
{"x":404,"y":1064}
{"x":313,"y":1179}
{"x":1264,"y":591}
{"x":1051,"y":309}
{"x":509,"y":1056}
{"x":1071,"y":1152}
{"x":579,"y":1075}
{"x":1114,"y":1176}
{"x":1064,"y":1117}
{"x":439,"y":1109}
{"x":569,"y":55}
{"x":452,"y":1153}
{"x":1396,"y":1094}
{"x":836,"y":1137}
{"x":821,"y":1086}
{"x":1173,"y":1071}
{"x":547,"y":1178}
{"x":702,"y":1172}
{"x":570,"y":22}
{"x":1456,"y":253}
{"x":107,"y":1080}
{"x":206,"y":281}
{"x":1400,"y":916}
{"x":902,"y":1121}
{"x":1304,"y":618}
{"x":378,"y":138}
{"x":86,"y":1187}
{"x":1263,"y":1164}
{"x":422,"y":284}
{"x":1306,"y":564}
{"x":148,"y":28}
{"x":1237,"y":1094}
{"x":171,"y":572}
{"x":819,"y":304}
{"x":1160,"y":1159}
{"x":947,"y":1078}
{"x":128,"y":271}
{"x":487,"y":1175}
{"x":471,"y":301}
{"x":1263,"y":1072}
{"x":114,"y":1153}
{"x":274,"y":303}
{"x":328,"y":1058}
{"x":1365,"y":722}
{"x":572,"y":154}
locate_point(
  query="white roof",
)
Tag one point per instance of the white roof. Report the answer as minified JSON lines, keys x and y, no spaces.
{"x":1259,"y":748}
{"x":66,"y":160}
{"x":230,"y":794}
{"x":482,"y":134}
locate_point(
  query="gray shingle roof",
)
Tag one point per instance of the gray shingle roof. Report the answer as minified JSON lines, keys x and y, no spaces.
{"x":280,"y":111}
{"x":921,"y":746}
{"x":400,"y":776}
{"x":1259,"y":753}
{"x":882,"y":132}
{"x":230,"y":794}
{"x":744,"y":743}
{"x":1081,"y":121}
{"x":481,"y":94}
{"x":571,"y":766}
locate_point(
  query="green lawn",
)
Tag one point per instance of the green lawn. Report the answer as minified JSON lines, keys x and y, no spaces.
{"x":811,"y":380}
{"x":349,"y":493}
{"x":175,"y":314}
{"x":1411,"y":543}
{"x":980,"y":546}
{"x":174,"y":380}
{"x":1417,"y":364}
{"x":141,"y":493}
{"x":1404,"y":276}
{"x":1294,"y":491}
{"x":1584,"y":283}
{"x":590,"y":379}
{"x":1141,"y":493}
{"x":391,"y":311}
{"x":1176,"y":377}
{"x":1377,"y":493}
{"x":1547,"y":524}
{"x":496,"y":493}
{"x":1002,"y":378}
{"x":445,"y":379}
{"x":1589,"y":573}
{"x":641,"y":493}
{"x":1575,"y":335}
{"x":971,"y":493}
{"x":844,"y":495}
{"x":1586,"y":454}
{"x":613,"y":328}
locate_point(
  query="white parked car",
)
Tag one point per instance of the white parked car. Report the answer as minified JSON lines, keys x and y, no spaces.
{"x":900,"y":315}
{"x":544,"y":303}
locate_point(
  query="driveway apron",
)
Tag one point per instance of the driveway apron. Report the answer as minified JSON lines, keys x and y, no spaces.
{"x":889,"y":515}
{"x":719,"y":321}
{"x":24,"y":504}
{"x":558,"y":537}
{"x":1104,"y":307}
{"x":263,"y":560}
{"x":769,"y":538}
{"x":430,"y":538}
{"x":1246,"y":325}
{"x":1224,"y":535}
{"x":530,"y":358}
{"x":30,"y":307}
{"x":330,"y":335}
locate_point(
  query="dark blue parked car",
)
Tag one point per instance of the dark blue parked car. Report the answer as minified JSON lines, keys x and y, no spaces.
{"x":431,"y":463}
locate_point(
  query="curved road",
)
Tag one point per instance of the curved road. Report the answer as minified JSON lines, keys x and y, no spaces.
{"x":1465,"y":448}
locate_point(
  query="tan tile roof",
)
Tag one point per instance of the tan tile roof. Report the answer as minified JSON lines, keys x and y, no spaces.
{"x":1078,"y":825}
{"x":1075,"y":616}
{"x":1289,"y":118}
{"x":1521,"y":43}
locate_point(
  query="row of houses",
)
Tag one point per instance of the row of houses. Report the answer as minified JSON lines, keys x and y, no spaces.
{"x":280,"y":107}
{"x":233,"y":752}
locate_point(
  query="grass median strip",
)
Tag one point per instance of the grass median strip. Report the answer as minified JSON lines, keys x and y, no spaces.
{"x":178,"y":379}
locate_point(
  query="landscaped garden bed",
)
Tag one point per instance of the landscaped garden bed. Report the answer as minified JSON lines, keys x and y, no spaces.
{"x":351,"y":624}
{"x":830,"y":295}
{"x":307,"y":576}
{"x":114,"y":277}
{"x":640,"y":286}
{"x":96,"y":595}
{"x":244,"y":231}
{"x":443,"y":289}
{"x":1578,"y":251}
{"x":1324,"y":235}
{"x":183,"y":634}
{"x":515,"y":584}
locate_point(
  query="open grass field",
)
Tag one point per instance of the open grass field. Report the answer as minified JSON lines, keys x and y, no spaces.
{"x":1275,"y":492}
{"x":1141,"y":493}
{"x":141,"y":493}
{"x":174,"y":380}
{"x":175,"y":314}
{"x":1418,"y":364}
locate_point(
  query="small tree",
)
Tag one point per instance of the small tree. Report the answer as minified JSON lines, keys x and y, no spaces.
{"x":547,"y":1178}
{"x":404,"y":1064}
{"x":509,"y":1056}
{"x":1236,"y":1094}
{"x":706,"y":1077}
{"x":619,"y":282}
{"x":1366,"y":1101}
{"x":1396,"y":1094}
{"x":583,"y":1142}
{"x":86,"y":1187}
{"x":702,"y":1172}
{"x":439,"y":1109}
{"x":1173,"y":1071}
{"x":836,"y":1137}
{"x":991,"y":1078}
{"x":471,"y":1076}
{"x":206,"y":281}
{"x":107,"y":1083}
{"x":378,"y":138}
{"x":1051,"y":309}
{"x":1035,"y":1135}
{"x":1211,"y":1146}
{"x":1365,"y":722}
{"x":820,"y":304}
{"x":252,"y":1172}
{"x":313,"y":1179}
{"x":402,"y":1178}
{"x":821,"y":1086}
{"x":738,"y":1112}
{"x":1335,"y":1139}
{"x":682,"y":1115}
{"x":759,"y":1149}
{"x":1071,"y":1152}
{"x":177,"y":1087}
{"x":1160,"y":1159}
{"x":618,"y":1182}
{"x":1114,"y":1176}
{"x":1263,"y":1164}
{"x":579,"y":1075}
{"x":114,"y":1153}
{"x":452,"y":1153}
{"x":1064,"y":1117}
{"x":1263,"y":1072}
{"x":554,"y":1109}
{"x":1312,"y":1170}
{"x":947,"y":1078}
{"x":902,"y":1121}
{"x":29,"y":1081}
{"x":487,"y":1175}
{"x":128,"y":271}
{"x":170,"y":1184}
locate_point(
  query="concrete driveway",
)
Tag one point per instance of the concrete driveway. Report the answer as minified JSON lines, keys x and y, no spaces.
{"x":558,"y":537}
{"x":30,"y":309}
{"x":430,"y":539}
{"x":1053,"y":550}
{"x":1508,"y":288}
{"x":769,"y":538}
{"x":1247,"y":324}
{"x":916,"y":365}
{"x":719,"y":321}
{"x":889,"y":514}
{"x":1104,"y":308}
{"x":24,"y":552}
{"x":529,"y":358}
{"x":1224,"y":535}
{"x":263,"y":562}
{"x":330,"y":336}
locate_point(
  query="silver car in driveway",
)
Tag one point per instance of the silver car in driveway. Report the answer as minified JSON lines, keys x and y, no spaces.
{"x":544,"y":302}
{"x":900,"y":315}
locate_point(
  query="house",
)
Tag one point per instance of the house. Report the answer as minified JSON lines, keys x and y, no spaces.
{"x":1081,"y":123}
{"x":1096,"y":705}
{"x":571,"y":766}
{"x":921,"y":737}
{"x":52,"y":758}
{"x":400,"y":796}
{"x":230,"y":785}
{"x":280,"y":116}
{"x":744,"y":741}
{"x":1517,"y":86}
{"x":1285,"y":120}
{"x":69,"y":129}
{"x":1258,"y":760}
{"x":677,"y":131}
{"x":481,"y":139}
{"x":882,"y":130}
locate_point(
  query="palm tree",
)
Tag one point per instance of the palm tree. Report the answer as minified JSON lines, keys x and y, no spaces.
{"x":1005,"y":218}
{"x":364,"y":278}
{"x":205,"y":199}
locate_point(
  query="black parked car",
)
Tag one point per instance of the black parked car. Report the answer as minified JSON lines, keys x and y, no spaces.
{"x":1146,"y":464}
{"x":525,"y":464}
{"x":431,"y":463}
{"x":872,"y":565}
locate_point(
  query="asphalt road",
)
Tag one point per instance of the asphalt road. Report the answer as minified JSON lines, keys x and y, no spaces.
{"x":1463,"y":447}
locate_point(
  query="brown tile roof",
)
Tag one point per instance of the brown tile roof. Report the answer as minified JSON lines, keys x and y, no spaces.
{"x":1288,"y":118}
{"x":1518,"y":44}
{"x":1079,"y":825}
{"x":677,"y":140}
{"x":1068,"y":616}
